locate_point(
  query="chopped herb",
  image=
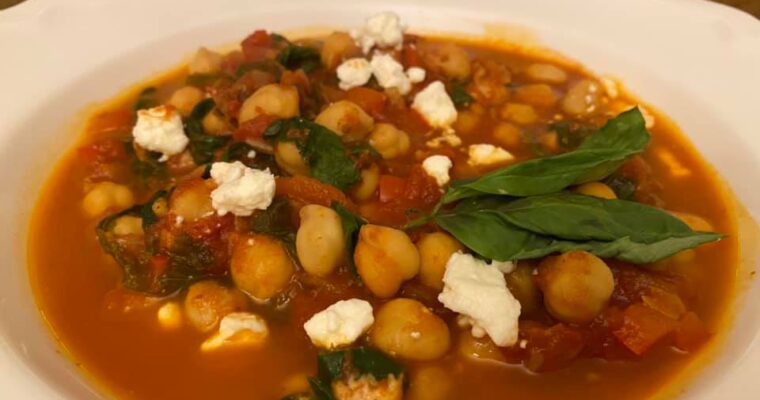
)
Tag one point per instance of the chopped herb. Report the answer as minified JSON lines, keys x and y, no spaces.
{"x":146,"y":99}
{"x":295,"y":57}
{"x":623,"y":187}
{"x":351,"y":225}
{"x":202,"y":146}
{"x":370,"y":361}
{"x":322,"y":390}
{"x":459,"y":95}
{"x":331,"y":366}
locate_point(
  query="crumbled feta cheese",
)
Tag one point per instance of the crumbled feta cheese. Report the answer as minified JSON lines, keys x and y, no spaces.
{"x":381,"y":30}
{"x":479,"y":291}
{"x":238,"y":328}
{"x":390,"y":73}
{"x":340,"y":324}
{"x":241,"y":189}
{"x":485,"y":154}
{"x":438,"y":167}
{"x":504,"y":266}
{"x":354,"y":72}
{"x":251,"y":154}
{"x":448,"y":137}
{"x":160,"y":129}
{"x":435,"y":106}
{"x":170,"y":315}
{"x":416,"y":74}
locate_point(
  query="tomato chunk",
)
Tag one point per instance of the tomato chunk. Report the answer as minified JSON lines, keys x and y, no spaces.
{"x":691,"y":333}
{"x":373,"y":102}
{"x":391,"y":187}
{"x":643,"y":327}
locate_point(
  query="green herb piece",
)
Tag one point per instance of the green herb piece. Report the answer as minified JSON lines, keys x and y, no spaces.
{"x":322,"y":390}
{"x":237,"y":151}
{"x":489,"y":226}
{"x":147,"y":213}
{"x":570,"y":136}
{"x":623,"y":187}
{"x":202,"y":146}
{"x":147,"y":170}
{"x":277,"y":38}
{"x":351,"y":225}
{"x":459,"y":95}
{"x":596,"y":158}
{"x":295,"y":57}
{"x":330,"y":365}
{"x":324,"y":151}
{"x":275,"y":221}
{"x":370,"y":361}
{"x":146,"y":99}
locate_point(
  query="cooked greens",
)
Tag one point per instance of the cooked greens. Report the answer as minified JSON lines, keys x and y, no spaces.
{"x":332,"y":366}
{"x":202,"y":146}
{"x":294,"y":57}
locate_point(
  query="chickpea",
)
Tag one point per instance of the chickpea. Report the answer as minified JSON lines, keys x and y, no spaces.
{"x":507,"y":135}
{"x":346,"y":119}
{"x":480,"y":348}
{"x":576,"y":285}
{"x":407,"y":329}
{"x":288,"y":157}
{"x":214,"y":123}
{"x":320,"y":243}
{"x":539,"y":95}
{"x":274,"y":99}
{"x":546,"y":73}
{"x":128,"y":225}
{"x":338,"y":47}
{"x":385,"y":257}
{"x":522,"y":114}
{"x":452,"y":60}
{"x":260,"y":266}
{"x":429,"y":383}
{"x":582,"y":98}
{"x":207,"y":302}
{"x":467,"y":122}
{"x":185,"y":98}
{"x":370,"y":178}
{"x":695,"y":222}
{"x":106,"y":196}
{"x":205,"y":61}
{"x":522,"y":285}
{"x":191,"y":200}
{"x":435,"y":250}
{"x":596,"y":189}
{"x":389,"y":141}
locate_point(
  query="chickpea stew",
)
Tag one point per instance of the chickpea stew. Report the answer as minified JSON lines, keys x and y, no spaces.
{"x":381,"y":215}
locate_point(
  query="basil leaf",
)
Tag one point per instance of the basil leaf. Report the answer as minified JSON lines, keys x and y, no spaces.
{"x":370,"y":361}
{"x":459,"y":95}
{"x":324,"y":151}
{"x":295,"y":57}
{"x":624,"y":188}
{"x":202,"y":146}
{"x":351,"y":225}
{"x":483,"y":225}
{"x":596,"y":158}
{"x":146,"y":99}
{"x":578,"y":217}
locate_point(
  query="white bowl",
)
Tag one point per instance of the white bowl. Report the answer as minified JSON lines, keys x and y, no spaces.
{"x":696,"y":61}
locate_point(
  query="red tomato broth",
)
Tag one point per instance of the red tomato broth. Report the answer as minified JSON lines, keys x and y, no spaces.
{"x":134,"y":358}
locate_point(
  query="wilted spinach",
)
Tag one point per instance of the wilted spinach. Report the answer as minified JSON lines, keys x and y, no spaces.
{"x":294,"y":57}
{"x":331,"y":366}
{"x":146,"y":99}
{"x":459,"y":95}
{"x":202,"y":146}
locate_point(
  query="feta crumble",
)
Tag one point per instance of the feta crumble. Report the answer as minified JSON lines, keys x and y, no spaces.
{"x":435,"y":106}
{"x":339,"y":324}
{"x":479,"y":291}
{"x":486,"y":154}
{"x":390,"y":73}
{"x":448,"y":137}
{"x":438,"y":167}
{"x":241,"y":189}
{"x":381,"y":30}
{"x":238,"y":328}
{"x":160,"y":129}
{"x":354,"y":72}
{"x":416,"y":74}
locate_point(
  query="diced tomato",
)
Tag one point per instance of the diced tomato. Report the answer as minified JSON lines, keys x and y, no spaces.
{"x":410,"y":56}
{"x":390,"y":187}
{"x":421,"y":191}
{"x":296,"y":78}
{"x":691,"y":333}
{"x":373,"y":102}
{"x":159,"y":264}
{"x":256,"y":46}
{"x":547,"y":348}
{"x":306,"y":190}
{"x":254,"y":128}
{"x":643,"y":327}
{"x":103,"y":151}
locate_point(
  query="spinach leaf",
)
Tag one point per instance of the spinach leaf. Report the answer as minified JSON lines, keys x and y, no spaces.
{"x":370,"y":361}
{"x":147,"y":213}
{"x":623,"y":187}
{"x":324,"y":151}
{"x":275,"y":221}
{"x":295,"y":57}
{"x":330,"y":365}
{"x":148,"y":169}
{"x":146,"y":99}
{"x":268,"y":66}
{"x":322,"y":390}
{"x":459,"y":95}
{"x":595,"y":159}
{"x":351,"y":225}
{"x":201,"y":145}
{"x":485,"y":225}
